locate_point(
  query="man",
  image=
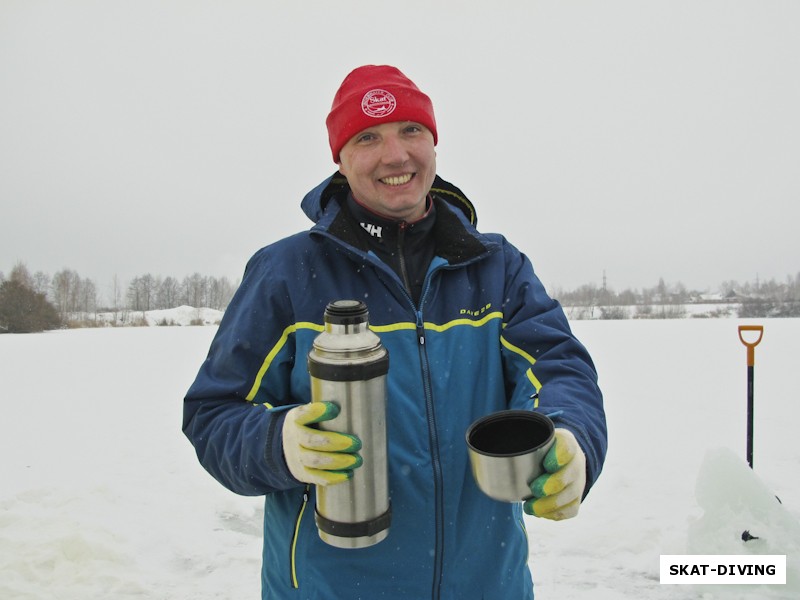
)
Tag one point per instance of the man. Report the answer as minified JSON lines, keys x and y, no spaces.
{"x":470,"y":330}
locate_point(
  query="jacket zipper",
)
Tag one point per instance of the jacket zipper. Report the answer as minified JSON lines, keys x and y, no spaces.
{"x":433,"y":437}
{"x":433,"y":440}
{"x":295,"y":537}
{"x":401,"y":237}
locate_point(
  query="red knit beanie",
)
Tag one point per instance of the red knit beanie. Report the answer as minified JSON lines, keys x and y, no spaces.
{"x":371,"y":95}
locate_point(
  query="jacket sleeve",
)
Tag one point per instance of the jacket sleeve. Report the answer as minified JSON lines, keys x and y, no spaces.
{"x":233,"y":423}
{"x":547,"y":365}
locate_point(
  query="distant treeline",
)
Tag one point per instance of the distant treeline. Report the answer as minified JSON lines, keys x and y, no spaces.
{"x":25,"y":296}
{"x":754,"y":299}
{"x":38,"y":301}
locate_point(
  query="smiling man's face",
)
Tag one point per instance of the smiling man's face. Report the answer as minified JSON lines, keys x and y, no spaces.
{"x":391,"y":168}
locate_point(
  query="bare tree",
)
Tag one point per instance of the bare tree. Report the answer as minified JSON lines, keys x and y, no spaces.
{"x":115,"y":291}
{"x":65,"y":285}
{"x":41,"y":283}
{"x":168,"y":293}
{"x":220,"y":292}
{"x":141,"y":293}
{"x":195,"y":290}
{"x":87,"y":299}
{"x":20,"y":274}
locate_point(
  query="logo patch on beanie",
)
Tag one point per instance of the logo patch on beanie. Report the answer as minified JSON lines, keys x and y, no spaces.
{"x":378,"y":103}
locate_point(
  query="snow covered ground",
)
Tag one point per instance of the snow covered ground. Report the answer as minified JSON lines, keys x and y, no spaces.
{"x":101,"y":496}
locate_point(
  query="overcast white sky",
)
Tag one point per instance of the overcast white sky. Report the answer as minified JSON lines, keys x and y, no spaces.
{"x":643,"y":138}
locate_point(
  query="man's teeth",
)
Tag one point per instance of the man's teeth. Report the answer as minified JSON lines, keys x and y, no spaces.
{"x":400,"y":180}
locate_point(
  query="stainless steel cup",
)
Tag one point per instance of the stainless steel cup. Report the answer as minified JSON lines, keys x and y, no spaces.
{"x":348,"y":366}
{"x":506,"y":450}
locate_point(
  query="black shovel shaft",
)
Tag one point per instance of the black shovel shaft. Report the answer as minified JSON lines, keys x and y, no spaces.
{"x":751,"y":361}
{"x":750,"y":417}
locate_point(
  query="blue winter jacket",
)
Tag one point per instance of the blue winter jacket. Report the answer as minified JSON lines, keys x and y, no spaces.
{"x":484,"y":337}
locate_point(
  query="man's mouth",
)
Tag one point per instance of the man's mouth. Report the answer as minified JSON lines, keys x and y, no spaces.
{"x":397,"y":180}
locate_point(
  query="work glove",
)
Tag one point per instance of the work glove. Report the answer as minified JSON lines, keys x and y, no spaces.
{"x":558,"y":492}
{"x":315,"y":456}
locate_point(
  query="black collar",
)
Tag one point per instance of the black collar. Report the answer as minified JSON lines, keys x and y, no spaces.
{"x":453,"y":241}
{"x":386,"y":229}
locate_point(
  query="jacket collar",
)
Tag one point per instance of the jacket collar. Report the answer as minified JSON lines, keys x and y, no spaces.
{"x":389,"y":229}
{"x":336,"y":186}
{"x":457,"y":240}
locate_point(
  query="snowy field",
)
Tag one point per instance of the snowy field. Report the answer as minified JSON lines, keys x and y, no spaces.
{"x":101,"y":496}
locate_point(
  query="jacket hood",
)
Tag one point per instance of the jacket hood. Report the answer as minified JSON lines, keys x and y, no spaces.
{"x":336,"y":186}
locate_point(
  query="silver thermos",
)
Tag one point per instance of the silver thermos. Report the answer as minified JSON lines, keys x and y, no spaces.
{"x":348,"y":366}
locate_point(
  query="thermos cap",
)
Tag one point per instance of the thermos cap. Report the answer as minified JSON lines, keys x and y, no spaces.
{"x":346,"y":312}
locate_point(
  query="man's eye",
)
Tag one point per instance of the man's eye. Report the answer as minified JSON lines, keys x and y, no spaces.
{"x":367,"y":137}
{"x":413,"y":129}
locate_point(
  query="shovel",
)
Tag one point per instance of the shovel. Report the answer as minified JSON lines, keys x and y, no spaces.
{"x":751,"y":344}
{"x":751,"y":359}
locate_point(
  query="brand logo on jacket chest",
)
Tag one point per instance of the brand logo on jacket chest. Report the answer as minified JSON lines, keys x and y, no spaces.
{"x":476,"y":312}
{"x":373,"y":230}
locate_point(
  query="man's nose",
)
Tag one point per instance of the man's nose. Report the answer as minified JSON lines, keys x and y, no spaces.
{"x":394,"y":151}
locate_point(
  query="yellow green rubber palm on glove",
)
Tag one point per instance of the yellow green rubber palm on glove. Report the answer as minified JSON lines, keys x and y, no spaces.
{"x":315,"y":456}
{"x":557,"y":493}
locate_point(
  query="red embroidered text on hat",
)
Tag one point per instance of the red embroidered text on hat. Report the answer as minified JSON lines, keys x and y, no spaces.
{"x":371,"y":95}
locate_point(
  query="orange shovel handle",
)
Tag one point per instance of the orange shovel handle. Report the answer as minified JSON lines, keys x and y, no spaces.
{"x":751,"y":346}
